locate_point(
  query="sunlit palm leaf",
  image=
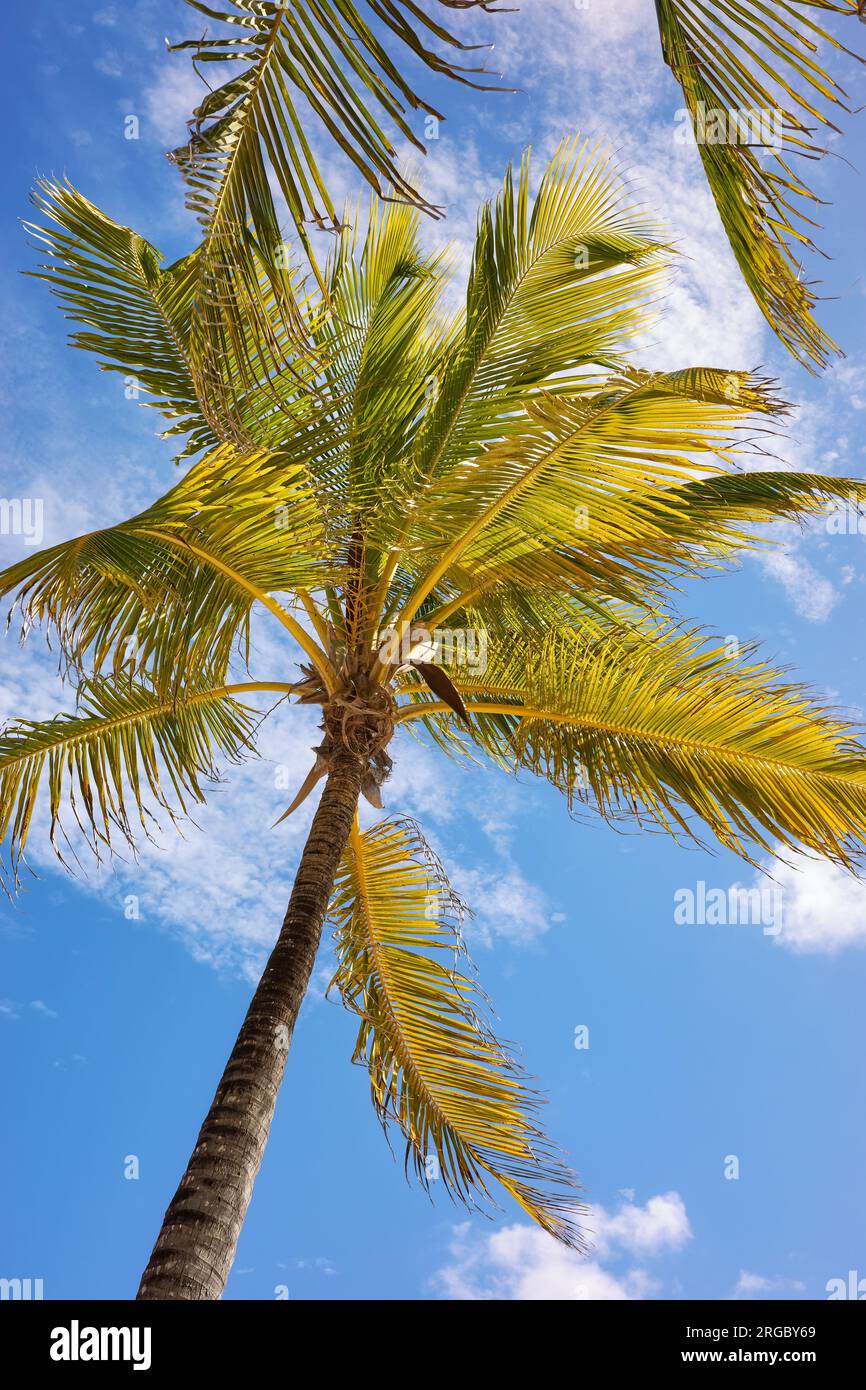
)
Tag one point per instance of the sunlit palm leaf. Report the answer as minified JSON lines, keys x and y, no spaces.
{"x":762,"y":60}
{"x":382,"y":341}
{"x":137,"y":313}
{"x":295,"y":66}
{"x":558,"y":285}
{"x":463,"y":1103}
{"x":293,"y":59}
{"x":125,"y":750}
{"x":608,"y":492}
{"x":654,"y":724}
{"x":255,"y":387}
{"x":175,"y":584}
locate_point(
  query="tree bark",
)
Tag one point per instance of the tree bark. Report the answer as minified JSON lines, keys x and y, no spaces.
{"x":195,"y":1248}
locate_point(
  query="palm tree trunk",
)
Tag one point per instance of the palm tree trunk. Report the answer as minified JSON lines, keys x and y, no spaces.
{"x":195,"y":1248}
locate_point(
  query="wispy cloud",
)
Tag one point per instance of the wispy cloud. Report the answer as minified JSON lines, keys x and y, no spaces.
{"x":9,"y":1009}
{"x":812,"y":595}
{"x":751,"y":1285}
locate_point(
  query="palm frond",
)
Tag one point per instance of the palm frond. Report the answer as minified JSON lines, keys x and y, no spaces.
{"x":310,"y":57}
{"x":673,"y":531}
{"x":758,"y":94}
{"x":298,"y":66}
{"x":126,"y":749}
{"x":381,"y":340}
{"x":175,"y":584}
{"x":137,"y":313}
{"x":655,"y":725}
{"x":255,"y":387}
{"x":461,"y":1100}
{"x":584,"y":489}
{"x":557,"y":286}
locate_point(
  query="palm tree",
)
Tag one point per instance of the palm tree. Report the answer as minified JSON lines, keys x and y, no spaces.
{"x":387,"y":481}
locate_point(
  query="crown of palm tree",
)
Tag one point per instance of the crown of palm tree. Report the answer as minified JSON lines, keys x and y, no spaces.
{"x":383,"y":478}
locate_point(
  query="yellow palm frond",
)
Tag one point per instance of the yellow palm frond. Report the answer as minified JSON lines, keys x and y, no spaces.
{"x":126,"y":748}
{"x":137,"y":313}
{"x":609,"y":492}
{"x":381,"y":339}
{"x":558,"y":285}
{"x":655,"y":725}
{"x":462,"y":1102}
{"x":290,"y":60}
{"x":177,"y":582}
{"x":254,"y":387}
{"x":758,"y":93}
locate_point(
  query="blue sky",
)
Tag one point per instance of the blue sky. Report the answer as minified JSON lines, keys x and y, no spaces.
{"x":706,"y":1042}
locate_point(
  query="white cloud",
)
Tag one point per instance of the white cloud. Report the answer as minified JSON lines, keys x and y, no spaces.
{"x":506,"y":906}
{"x":523,"y":1263}
{"x":109,"y":64}
{"x":659,"y":1226}
{"x":569,"y":42}
{"x":757,"y":1286}
{"x":171,"y":99}
{"x":850,"y":378}
{"x":10,"y":1009}
{"x":823,"y":906}
{"x":812,"y":595}
{"x":40,"y":1007}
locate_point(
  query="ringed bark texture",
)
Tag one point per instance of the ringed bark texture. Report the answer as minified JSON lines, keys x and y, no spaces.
{"x":196,"y":1246}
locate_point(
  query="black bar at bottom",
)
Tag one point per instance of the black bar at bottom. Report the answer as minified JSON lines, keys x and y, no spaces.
{"x":82,"y":1339}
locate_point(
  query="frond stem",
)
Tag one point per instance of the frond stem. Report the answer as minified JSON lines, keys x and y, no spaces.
{"x":407,"y":712}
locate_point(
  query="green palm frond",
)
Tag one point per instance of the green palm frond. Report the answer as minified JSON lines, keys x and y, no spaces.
{"x":557,"y":285}
{"x":671,"y":531}
{"x":291,"y":60}
{"x":126,"y":749}
{"x":382,"y":341}
{"x":586,"y":493}
{"x":176,"y":583}
{"x":744,"y":64}
{"x":137,"y":314}
{"x":655,"y":725}
{"x":608,"y":494}
{"x":141,"y":322}
{"x":460,"y":1099}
